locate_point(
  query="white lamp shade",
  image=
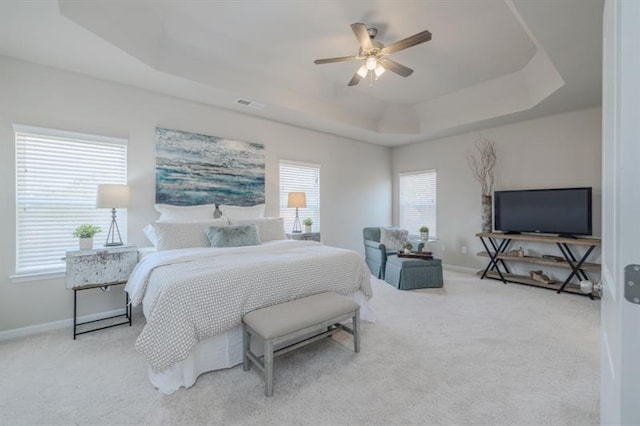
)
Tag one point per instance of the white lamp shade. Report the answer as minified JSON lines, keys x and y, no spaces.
{"x":297,"y":199}
{"x":112,"y":196}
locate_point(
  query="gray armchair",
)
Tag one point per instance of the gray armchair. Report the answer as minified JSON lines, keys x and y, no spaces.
{"x":375,"y":253}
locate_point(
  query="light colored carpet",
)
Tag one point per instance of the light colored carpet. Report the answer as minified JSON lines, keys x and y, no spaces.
{"x":473,"y":352}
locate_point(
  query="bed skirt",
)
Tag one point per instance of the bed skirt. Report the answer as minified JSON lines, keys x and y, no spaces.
{"x":219,"y":352}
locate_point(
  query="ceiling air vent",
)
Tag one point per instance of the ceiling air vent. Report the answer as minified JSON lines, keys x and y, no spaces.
{"x":250,"y":104}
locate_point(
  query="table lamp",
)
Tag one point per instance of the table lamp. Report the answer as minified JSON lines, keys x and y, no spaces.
{"x":297,"y":200}
{"x":113,"y":196}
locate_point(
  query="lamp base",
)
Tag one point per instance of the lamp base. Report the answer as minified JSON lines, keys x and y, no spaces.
{"x":297,"y":228}
{"x":113,"y":231}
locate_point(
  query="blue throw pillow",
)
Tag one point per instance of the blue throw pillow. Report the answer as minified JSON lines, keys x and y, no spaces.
{"x":233,"y":235}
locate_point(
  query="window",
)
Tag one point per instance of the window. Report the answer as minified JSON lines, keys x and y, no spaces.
{"x":300,"y":177}
{"x":418,"y":202}
{"x":57,"y":177}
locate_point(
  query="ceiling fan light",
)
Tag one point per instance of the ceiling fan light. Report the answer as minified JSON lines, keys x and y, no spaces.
{"x":371,"y":63}
{"x":362,"y":72}
{"x":379,"y":70}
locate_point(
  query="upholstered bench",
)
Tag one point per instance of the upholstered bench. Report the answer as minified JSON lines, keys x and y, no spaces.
{"x":409,"y":273}
{"x":293,"y":320}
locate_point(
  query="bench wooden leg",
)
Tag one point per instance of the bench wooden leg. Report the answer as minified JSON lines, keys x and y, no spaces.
{"x":268,"y":367}
{"x":246,"y":345}
{"x":356,"y":331}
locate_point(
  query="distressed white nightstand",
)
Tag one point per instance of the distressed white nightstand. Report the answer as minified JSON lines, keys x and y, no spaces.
{"x":313,"y":236}
{"x":100,"y":268}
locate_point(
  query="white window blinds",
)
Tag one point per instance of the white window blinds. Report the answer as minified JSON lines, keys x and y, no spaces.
{"x":418,"y":202}
{"x":57,"y":177}
{"x":300,"y":177}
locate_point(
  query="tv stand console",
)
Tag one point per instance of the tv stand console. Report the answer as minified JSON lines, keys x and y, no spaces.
{"x":496,"y":245}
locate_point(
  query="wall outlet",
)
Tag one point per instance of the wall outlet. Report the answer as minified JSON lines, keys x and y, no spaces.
{"x":463,"y":249}
{"x":443,"y":247}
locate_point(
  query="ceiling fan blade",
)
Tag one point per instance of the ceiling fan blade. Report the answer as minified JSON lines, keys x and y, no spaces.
{"x":355,"y":79}
{"x":360,"y":30}
{"x":331,"y":60}
{"x":396,"y":67}
{"x":408,"y":42}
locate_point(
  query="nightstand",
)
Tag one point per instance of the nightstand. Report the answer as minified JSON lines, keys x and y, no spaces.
{"x":313,"y":236}
{"x":100,"y":268}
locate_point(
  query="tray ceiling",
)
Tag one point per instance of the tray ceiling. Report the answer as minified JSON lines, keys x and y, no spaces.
{"x":489,"y":62}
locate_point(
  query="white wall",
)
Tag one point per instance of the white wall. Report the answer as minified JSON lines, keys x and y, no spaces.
{"x":355,"y":177}
{"x":562,"y":150}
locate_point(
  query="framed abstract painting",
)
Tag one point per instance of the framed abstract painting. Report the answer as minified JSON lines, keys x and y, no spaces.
{"x":193,"y":169}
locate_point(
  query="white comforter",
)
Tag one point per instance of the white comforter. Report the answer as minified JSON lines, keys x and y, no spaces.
{"x":191,"y":294}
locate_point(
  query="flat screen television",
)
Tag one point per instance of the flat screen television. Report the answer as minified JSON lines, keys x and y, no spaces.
{"x":565,"y":211}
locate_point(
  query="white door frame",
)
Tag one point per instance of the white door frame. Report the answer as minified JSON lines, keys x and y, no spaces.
{"x":620,"y":375}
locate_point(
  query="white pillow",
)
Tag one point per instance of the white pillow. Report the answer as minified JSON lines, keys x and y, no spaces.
{"x":269,"y":228}
{"x":393,"y":238}
{"x":176,"y":235}
{"x":150,"y":233}
{"x":199,"y":213}
{"x":238,"y":212}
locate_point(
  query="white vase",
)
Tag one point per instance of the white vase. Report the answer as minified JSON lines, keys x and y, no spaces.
{"x":307,"y":229}
{"x":424,"y":236}
{"x":85,"y":243}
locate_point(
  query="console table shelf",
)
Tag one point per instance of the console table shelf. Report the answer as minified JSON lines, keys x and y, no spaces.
{"x":496,"y":245}
{"x":590,"y":267}
{"x":521,"y":279}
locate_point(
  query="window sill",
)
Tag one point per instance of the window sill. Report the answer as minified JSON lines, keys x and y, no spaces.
{"x":36,"y":276}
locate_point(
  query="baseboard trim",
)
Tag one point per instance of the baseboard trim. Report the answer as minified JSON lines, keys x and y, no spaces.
{"x":459,"y":268}
{"x":55,"y":325}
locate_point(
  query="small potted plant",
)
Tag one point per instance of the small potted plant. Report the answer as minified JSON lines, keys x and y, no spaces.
{"x":407,"y":247}
{"x":307,"y":222}
{"x":85,"y":233}
{"x":424,"y":233}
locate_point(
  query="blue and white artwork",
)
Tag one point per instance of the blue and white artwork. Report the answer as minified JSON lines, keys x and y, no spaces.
{"x":196,"y":169}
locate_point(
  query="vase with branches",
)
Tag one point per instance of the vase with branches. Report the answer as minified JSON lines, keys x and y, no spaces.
{"x":482,"y":163}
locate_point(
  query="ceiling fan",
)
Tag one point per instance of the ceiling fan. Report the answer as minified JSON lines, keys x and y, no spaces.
{"x":374,"y":54}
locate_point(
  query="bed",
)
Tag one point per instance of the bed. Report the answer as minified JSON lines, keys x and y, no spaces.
{"x":194,"y":295}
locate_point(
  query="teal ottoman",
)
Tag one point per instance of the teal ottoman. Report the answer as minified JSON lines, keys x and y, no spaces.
{"x":408,"y":274}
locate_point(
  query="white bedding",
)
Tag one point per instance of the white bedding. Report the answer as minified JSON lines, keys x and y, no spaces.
{"x":189,"y":295}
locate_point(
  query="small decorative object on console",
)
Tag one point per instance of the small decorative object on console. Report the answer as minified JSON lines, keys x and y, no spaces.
{"x":552,"y":257}
{"x":539,"y":276}
{"x":517,"y":253}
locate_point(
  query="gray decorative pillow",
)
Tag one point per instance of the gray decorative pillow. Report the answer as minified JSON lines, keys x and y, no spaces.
{"x":269,"y":228}
{"x":393,"y":238}
{"x":233,"y":235}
